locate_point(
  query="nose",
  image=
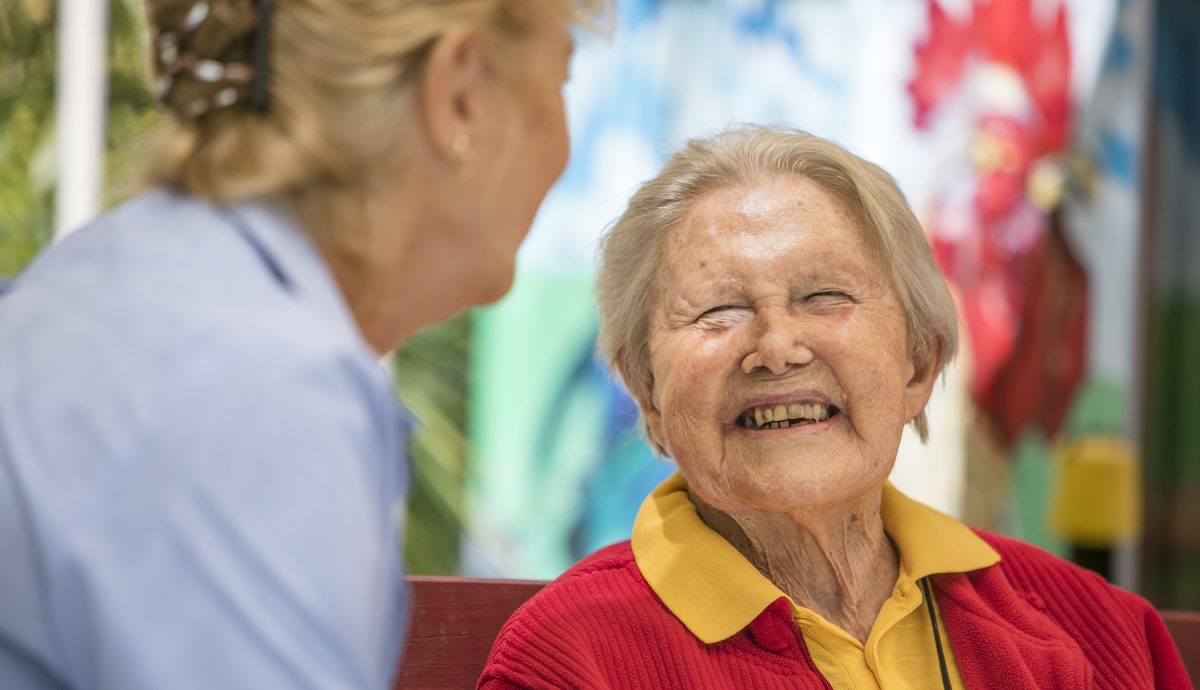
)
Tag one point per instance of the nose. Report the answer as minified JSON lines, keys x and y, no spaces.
{"x":779,"y":346}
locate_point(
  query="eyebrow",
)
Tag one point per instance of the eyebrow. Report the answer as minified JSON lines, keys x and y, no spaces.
{"x":716,"y":291}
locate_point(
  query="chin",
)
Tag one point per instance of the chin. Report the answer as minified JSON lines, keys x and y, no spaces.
{"x":777,"y":485}
{"x":495,"y":284}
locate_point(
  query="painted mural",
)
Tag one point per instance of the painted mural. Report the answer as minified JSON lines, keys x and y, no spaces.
{"x":556,"y":466}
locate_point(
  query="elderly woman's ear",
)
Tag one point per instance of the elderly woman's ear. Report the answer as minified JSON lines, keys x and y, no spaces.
{"x":923,"y":371}
{"x":644,"y":397}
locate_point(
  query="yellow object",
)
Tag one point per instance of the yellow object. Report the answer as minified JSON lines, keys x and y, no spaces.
{"x":716,"y":592}
{"x":1097,"y":493}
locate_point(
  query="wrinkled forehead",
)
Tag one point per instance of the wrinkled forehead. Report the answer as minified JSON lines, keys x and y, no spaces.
{"x":761,"y":215}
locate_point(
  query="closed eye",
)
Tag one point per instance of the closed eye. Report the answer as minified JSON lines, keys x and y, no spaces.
{"x":715,"y":310}
{"x":828,"y":300}
{"x":722,"y":316}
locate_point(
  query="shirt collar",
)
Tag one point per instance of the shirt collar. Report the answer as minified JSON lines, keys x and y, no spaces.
{"x":291,"y":256}
{"x":929,"y":541}
{"x":690,"y":567}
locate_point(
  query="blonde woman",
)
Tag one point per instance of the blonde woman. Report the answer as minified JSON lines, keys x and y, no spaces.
{"x":200,"y":460}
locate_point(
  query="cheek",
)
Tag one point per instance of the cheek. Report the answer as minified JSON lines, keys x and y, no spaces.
{"x":690,"y":377}
{"x":540,"y":155}
{"x":879,"y":412}
{"x":695,"y":368}
{"x":705,"y":357}
{"x":875,"y":386}
{"x":543,"y":117}
{"x":558,"y":118}
{"x":558,"y":144}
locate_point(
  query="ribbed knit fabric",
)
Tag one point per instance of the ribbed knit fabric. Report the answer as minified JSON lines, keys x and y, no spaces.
{"x":1031,"y":621}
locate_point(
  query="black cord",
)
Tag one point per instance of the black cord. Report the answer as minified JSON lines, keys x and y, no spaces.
{"x":937,"y":637}
{"x":259,"y":88}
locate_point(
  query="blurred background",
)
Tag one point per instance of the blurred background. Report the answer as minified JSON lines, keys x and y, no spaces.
{"x":1050,"y":147}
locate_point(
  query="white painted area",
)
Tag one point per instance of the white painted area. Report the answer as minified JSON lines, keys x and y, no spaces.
{"x":81,"y":97}
{"x":934,"y":473}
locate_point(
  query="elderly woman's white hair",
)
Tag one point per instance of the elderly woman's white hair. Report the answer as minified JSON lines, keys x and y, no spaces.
{"x":631,"y":251}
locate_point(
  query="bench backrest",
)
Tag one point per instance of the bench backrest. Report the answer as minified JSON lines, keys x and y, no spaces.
{"x":1185,"y":628}
{"x":454,"y":622}
{"x":456,"y":619}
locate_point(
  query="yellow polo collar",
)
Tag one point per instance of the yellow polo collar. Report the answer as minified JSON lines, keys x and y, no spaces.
{"x":716,"y":592}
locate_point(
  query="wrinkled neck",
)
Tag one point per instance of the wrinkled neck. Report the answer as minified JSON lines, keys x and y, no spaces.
{"x":835,"y":560}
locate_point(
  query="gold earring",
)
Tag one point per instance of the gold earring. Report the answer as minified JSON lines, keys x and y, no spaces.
{"x":461,"y":146}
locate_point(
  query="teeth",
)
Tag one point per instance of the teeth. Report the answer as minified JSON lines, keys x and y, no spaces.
{"x":782,"y":416}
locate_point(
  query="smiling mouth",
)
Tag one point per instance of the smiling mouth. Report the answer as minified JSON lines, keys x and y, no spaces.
{"x":785,"y":415}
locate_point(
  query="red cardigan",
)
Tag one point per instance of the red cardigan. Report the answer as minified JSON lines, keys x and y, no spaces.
{"x":1030,"y":621}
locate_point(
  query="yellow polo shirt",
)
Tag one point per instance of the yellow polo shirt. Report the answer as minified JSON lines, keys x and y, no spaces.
{"x":716,"y":592}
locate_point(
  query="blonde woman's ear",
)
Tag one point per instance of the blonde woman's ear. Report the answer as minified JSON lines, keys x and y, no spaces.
{"x":454,"y":99}
{"x":462,"y":148}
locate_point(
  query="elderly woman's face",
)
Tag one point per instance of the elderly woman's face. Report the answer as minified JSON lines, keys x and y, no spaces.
{"x":782,"y":379}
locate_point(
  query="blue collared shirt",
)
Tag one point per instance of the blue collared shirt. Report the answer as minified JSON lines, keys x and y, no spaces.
{"x":202,"y":464}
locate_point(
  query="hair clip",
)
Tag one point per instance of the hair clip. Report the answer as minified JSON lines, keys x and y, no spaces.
{"x":259,"y":86}
{"x":233,"y":82}
{"x":208,"y":70}
{"x":168,"y":50}
{"x":195,"y":17}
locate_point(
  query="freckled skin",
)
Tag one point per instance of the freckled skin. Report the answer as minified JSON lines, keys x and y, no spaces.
{"x":768,"y":289}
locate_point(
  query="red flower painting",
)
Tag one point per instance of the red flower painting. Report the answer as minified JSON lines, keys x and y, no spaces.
{"x":995,"y":234}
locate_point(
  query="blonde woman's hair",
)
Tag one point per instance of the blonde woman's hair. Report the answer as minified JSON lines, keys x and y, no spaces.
{"x":631,"y":252}
{"x":339,"y":71}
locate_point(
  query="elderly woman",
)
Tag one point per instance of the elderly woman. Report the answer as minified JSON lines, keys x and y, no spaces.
{"x":201,"y":460}
{"x":771,"y":304}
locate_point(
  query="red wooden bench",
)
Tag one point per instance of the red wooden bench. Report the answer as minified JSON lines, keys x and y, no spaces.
{"x":1185,"y":628}
{"x":455,"y":620}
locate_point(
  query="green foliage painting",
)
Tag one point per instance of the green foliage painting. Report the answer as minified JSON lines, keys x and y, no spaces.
{"x":27,"y":112}
{"x":431,"y":373}
{"x":26,"y":130}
